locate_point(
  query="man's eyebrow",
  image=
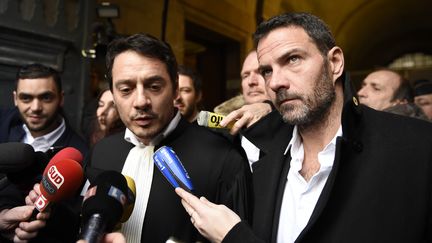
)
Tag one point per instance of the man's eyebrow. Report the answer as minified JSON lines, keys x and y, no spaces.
{"x":289,"y":53}
{"x":36,"y":95}
{"x":154,"y":78}
{"x":281,"y":58}
{"x":375,"y":84}
{"x":261,"y":68}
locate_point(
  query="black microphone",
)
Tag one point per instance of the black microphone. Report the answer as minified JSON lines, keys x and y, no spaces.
{"x":21,"y":164}
{"x":103,"y":205}
{"x":15,"y":157}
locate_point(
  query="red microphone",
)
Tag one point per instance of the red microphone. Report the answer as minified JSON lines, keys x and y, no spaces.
{"x":66,"y":153}
{"x":60,"y":180}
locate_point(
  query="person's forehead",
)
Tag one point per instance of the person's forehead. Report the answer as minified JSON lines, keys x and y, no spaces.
{"x":424,"y":97}
{"x":283,"y":37}
{"x":384,"y":78}
{"x":131,"y":61}
{"x":37,"y":85}
{"x":185,"y":80}
{"x":107,"y":95}
{"x":250,"y":62}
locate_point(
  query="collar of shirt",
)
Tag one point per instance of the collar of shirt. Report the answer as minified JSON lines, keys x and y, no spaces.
{"x":300,"y":196}
{"x":131,"y":138}
{"x":43,"y":143}
{"x":325,"y":157}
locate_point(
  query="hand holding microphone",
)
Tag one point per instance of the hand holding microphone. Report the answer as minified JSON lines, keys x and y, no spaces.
{"x":61,"y":179}
{"x":15,"y":218}
{"x":211,"y":220}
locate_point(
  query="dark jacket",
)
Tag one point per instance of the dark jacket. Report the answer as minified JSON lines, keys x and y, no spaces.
{"x":11,"y":130}
{"x":379,"y":189}
{"x":216,"y":167}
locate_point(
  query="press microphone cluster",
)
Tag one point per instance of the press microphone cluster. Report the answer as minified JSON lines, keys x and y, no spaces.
{"x":23,"y":166}
{"x":108,"y":201}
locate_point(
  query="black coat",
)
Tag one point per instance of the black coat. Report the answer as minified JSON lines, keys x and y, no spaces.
{"x":379,"y":189}
{"x":216,"y":167}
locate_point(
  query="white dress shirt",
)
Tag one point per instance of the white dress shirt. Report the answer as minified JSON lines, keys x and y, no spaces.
{"x":43,"y":143}
{"x":300,"y":196}
{"x":140,"y":167}
{"x":252,"y":151}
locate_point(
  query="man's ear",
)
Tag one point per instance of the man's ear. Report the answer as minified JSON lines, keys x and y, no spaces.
{"x":336,"y":60}
{"x":199,"y":97}
{"x":15,"y":98}
{"x":61,"y":98}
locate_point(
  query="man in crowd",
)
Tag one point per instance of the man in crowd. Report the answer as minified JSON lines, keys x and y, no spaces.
{"x":338,"y":171}
{"x":189,"y":94}
{"x":257,"y":105}
{"x":423,"y":96}
{"x":387,"y":90}
{"x":252,"y":83}
{"x":382,"y":89}
{"x":37,"y":120}
{"x":142,"y":72}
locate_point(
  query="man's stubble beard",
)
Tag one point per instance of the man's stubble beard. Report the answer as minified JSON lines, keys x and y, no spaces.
{"x":50,"y":121}
{"x":315,"y":108}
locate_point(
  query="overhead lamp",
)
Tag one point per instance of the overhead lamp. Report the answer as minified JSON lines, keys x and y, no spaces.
{"x":108,"y":10}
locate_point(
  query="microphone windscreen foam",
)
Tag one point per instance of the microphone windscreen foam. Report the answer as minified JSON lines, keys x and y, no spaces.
{"x":61,"y":180}
{"x":106,"y":196}
{"x":131,"y":195}
{"x":67,"y":153}
{"x":15,"y":157}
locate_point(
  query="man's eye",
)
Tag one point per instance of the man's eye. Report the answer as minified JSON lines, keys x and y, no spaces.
{"x":266,"y":73}
{"x":294,"y":59}
{"x":47,"y":98}
{"x":155,"y":87}
{"x":125,"y":90}
{"x":25,"y":99}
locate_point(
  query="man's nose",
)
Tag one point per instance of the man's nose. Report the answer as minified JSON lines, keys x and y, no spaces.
{"x":253,"y":79}
{"x":362,"y":92}
{"x":36,"y":105}
{"x":278,"y":80}
{"x":141,"y":99}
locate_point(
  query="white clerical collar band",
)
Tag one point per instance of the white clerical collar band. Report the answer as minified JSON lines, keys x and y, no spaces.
{"x":131,"y":138}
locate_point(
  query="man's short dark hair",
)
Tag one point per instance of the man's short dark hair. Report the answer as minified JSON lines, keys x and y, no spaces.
{"x":146,"y":45}
{"x":316,"y":29}
{"x":35,"y":70}
{"x":192,"y":74}
{"x":404,"y":91}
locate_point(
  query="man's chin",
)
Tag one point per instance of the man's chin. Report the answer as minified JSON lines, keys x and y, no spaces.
{"x":39,"y":128}
{"x":256,"y":99}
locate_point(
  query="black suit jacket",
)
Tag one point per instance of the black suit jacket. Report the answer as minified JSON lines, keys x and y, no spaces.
{"x":216,"y":167}
{"x":379,"y":189}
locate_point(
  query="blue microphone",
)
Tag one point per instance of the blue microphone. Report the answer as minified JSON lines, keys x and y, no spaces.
{"x":170,"y":166}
